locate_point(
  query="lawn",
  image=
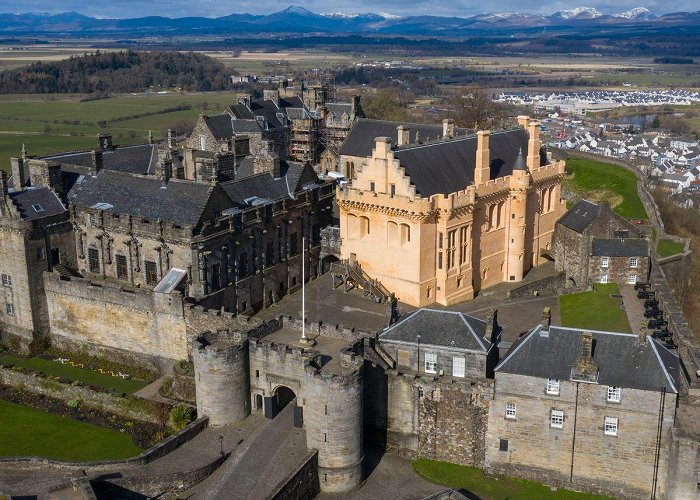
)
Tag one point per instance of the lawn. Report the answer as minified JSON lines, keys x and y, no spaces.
{"x":89,"y":377}
{"x":489,"y":488}
{"x":595,"y":310}
{"x":29,"y":432}
{"x":599,"y":181}
{"x":666,"y":248}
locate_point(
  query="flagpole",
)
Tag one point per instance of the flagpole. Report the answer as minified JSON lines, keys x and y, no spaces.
{"x":303,"y":289}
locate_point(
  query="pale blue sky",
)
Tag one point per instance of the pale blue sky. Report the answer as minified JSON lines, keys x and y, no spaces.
{"x":215,"y":8}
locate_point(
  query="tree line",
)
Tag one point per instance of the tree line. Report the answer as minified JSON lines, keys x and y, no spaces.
{"x":126,"y":71}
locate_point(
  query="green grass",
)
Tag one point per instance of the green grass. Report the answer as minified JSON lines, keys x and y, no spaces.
{"x":491,"y":488}
{"x":667,"y":248}
{"x":600,"y":181}
{"x":29,"y":432}
{"x":73,"y":373}
{"x":594,"y":310}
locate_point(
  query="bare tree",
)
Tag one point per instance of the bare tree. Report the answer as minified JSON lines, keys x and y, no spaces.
{"x":475,"y":109}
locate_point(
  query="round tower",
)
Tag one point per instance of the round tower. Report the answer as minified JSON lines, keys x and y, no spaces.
{"x":519,"y":185}
{"x":333,"y":417}
{"x":221,"y":379}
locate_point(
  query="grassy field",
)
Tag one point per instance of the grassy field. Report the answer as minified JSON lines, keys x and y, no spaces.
{"x":595,"y":310}
{"x":491,"y":488}
{"x":667,"y":248}
{"x":600,"y":181}
{"x":70,"y":372}
{"x":29,"y":432}
{"x":56,"y":123}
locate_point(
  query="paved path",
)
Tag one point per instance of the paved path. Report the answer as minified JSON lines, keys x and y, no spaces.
{"x":236,"y":479}
{"x":634,"y":308}
{"x":151,"y":391}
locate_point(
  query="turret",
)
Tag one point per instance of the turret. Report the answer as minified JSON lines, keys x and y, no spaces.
{"x":517,"y":199}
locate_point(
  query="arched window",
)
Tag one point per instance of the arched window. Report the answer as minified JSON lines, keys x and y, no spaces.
{"x":353,"y":227}
{"x":550,"y":198}
{"x":501,"y":213}
{"x":485,"y":274}
{"x":392,"y":233}
{"x":543,"y":199}
{"x":492,"y":216}
{"x":364,"y":227}
{"x":405,"y":234}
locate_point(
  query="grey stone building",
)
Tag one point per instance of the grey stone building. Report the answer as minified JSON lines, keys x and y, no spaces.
{"x":619,"y":261}
{"x":573,"y":244}
{"x":591,"y":410}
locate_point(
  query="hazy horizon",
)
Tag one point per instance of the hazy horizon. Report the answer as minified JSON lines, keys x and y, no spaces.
{"x":217,"y":8}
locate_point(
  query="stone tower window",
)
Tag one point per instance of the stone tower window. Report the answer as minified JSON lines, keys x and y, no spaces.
{"x":151,"y":272}
{"x":94,"y":260}
{"x":122,"y":271}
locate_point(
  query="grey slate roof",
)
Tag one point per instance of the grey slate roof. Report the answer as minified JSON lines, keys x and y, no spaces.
{"x":622,"y":361}
{"x":35,"y":203}
{"x":263,"y":185}
{"x":338,"y":108}
{"x":628,"y":247}
{"x":220,"y":126}
{"x":244,"y":126}
{"x":360,"y":140}
{"x":439,"y":328}
{"x":580,"y":216}
{"x":180,"y":202}
{"x":448,"y":166}
{"x":139,"y":159}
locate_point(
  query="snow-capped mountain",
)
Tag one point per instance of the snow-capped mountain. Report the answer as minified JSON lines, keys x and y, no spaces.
{"x":577,"y":13}
{"x":640,"y":13}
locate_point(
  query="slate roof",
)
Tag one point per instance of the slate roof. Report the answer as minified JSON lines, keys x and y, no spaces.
{"x":360,"y":140}
{"x":220,"y":126}
{"x":622,"y":361}
{"x":338,"y":108}
{"x":180,"y":202}
{"x":264,"y":186}
{"x":439,"y":328}
{"x":139,"y":159}
{"x":241,"y":112}
{"x":447,"y":166}
{"x":628,"y":247}
{"x":580,"y":216}
{"x":241,"y":126}
{"x":35,"y":203}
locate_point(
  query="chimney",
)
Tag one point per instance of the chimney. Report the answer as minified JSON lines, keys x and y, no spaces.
{"x":546,"y":319}
{"x":172,"y":133}
{"x":448,"y":128}
{"x":18,"y":173}
{"x":46,"y":174}
{"x":150,"y":137}
{"x":97,"y":161}
{"x":164,"y":167}
{"x":25,"y":153}
{"x":482,"y":171}
{"x":271,"y":95}
{"x":245,"y":100}
{"x":491,"y":333}
{"x":533,"y":146}
{"x":356,"y":109}
{"x":104,"y":142}
{"x":4,"y":188}
{"x":585,"y":369}
{"x":382,"y":146}
{"x":404,"y":135}
{"x":642,"y":336}
{"x":523,"y":121}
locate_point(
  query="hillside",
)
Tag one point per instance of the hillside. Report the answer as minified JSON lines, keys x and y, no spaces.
{"x":127,"y":71}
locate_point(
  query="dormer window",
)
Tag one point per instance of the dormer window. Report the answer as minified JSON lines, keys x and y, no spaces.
{"x":553,"y":386}
{"x":38,"y":208}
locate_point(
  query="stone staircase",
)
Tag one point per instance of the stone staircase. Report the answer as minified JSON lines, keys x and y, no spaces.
{"x":351,"y":275}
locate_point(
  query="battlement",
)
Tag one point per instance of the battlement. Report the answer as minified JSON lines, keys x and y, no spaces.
{"x":218,"y":347}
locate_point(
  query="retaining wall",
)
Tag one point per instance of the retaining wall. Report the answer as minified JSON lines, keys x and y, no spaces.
{"x":302,"y":483}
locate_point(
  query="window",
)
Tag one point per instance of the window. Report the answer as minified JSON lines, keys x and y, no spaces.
{"x":10,"y":308}
{"x":93,"y":219}
{"x":633,"y":262}
{"x":614,"y":394}
{"x":94,"y":260}
{"x":270,"y":253}
{"x":122,"y":271}
{"x":511,"y":411}
{"x":632,"y":279}
{"x":405,"y":234}
{"x":463,"y":244}
{"x":611,"y":426}
{"x":603,"y":278}
{"x":6,"y":280}
{"x":151,"y":272}
{"x":364,"y":227}
{"x":451,"y":249}
{"x":430,"y":362}
{"x":556,"y":419}
{"x":458,"y":364}
{"x":392,"y":190}
{"x":38,"y":208}
{"x":293,"y":244}
{"x":371,"y":186}
{"x":604,"y":261}
{"x":439,"y":250}
{"x":202,"y":142}
{"x":553,"y":386}
{"x":502,"y":445}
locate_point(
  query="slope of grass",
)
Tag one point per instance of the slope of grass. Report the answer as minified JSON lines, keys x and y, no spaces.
{"x":89,"y":377}
{"x":490,"y":488}
{"x":600,"y":181}
{"x":29,"y":432}
{"x":595,"y":310}
{"x":666,"y":248}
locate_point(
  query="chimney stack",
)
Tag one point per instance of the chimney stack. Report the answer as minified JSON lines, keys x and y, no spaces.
{"x":4,"y":188}
{"x":356,"y":109}
{"x":164,"y":167}
{"x":150,"y":137}
{"x":533,"y":146}
{"x":546,"y":319}
{"x":404,"y":135}
{"x":104,"y":142}
{"x":18,"y":173}
{"x":523,"y":121}
{"x":271,"y":95}
{"x":642,"y":337}
{"x":585,"y":369}
{"x":491,"y":333}
{"x":482,"y":171}
{"x":382,"y":146}
{"x":448,"y":128}
{"x":171,"y":138}
{"x":97,"y":161}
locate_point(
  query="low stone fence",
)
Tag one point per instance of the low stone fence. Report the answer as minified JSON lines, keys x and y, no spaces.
{"x":327,"y":330}
{"x":301,"y":484}
{"x":129,"y":406}
{"x":549,"y":285}
{"x":157,"y":451}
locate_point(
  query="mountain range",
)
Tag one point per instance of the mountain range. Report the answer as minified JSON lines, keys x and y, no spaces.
{"x":300,"y":20}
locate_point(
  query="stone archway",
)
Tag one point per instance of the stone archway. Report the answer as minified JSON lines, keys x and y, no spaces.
{"x":283,"y":396}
